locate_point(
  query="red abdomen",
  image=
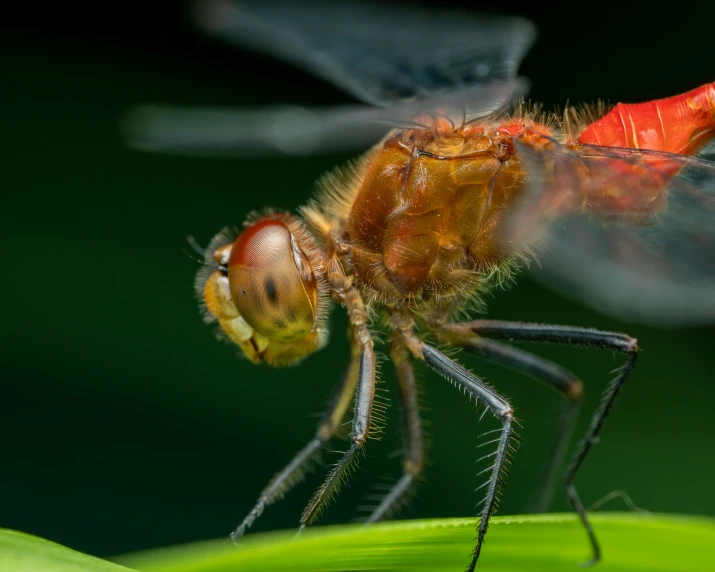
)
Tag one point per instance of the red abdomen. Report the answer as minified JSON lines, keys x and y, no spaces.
{"x":680,"y":124}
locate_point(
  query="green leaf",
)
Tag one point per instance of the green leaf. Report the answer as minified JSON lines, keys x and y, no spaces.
{"x":630,"y":542}
{"x":20,"y":552}
{"x":534,"y":543}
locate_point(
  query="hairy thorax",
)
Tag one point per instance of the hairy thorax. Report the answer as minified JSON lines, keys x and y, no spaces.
{"x":425,"y":219}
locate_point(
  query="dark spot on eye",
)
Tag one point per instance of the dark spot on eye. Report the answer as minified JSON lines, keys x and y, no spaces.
{"x":271,"y":290}
{"x":280,"y":324}
{"x":243,"y":292}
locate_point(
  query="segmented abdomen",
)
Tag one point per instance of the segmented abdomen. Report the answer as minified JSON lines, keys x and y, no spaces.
{"x":680,"y":124}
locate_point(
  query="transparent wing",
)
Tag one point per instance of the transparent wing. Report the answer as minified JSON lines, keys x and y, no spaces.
{"x":630,"y":232}
{"x":379,"y":53}
{"x":405,"y":61}
{"x":274,"y":130}
{"x":708,"y":153}
{"x":299,"y":131}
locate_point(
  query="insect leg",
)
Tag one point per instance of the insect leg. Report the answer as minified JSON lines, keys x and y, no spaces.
{"x":613,"y":341}
{"x":293,"y":472}
{"x":411,"y":430}
{"x":499,"y":407}
{"x":538,"y":368}
{"x":363,"y":408}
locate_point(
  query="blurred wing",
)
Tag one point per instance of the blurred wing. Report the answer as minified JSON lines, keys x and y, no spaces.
{"x":275,"y":130}
{"x":630,"y":232}
{"x":295,"y":130}
{"x":708,"y":153}
{"x":379,"y":53}
{"x":405,"y":61}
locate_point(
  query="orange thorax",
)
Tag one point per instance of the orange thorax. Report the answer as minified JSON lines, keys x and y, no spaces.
{"x":419,"y":217}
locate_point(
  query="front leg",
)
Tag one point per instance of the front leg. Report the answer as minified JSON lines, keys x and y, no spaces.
{"x":363,"y":407}
{"x":293,"y":472}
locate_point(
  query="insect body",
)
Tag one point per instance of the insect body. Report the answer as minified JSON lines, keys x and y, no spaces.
{"x":440,"y":210}
{"x":418,"y":228}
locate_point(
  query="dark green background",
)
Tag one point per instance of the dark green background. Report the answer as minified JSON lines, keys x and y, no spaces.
{"x":123,"y":423}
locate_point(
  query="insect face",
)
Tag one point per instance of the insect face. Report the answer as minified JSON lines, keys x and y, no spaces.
{"x":268,"y":294}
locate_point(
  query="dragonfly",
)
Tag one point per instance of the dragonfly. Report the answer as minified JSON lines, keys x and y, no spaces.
{"x":462,"y":187}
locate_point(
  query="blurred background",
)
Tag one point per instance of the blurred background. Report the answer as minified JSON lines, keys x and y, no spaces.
{"x":126,"y":426}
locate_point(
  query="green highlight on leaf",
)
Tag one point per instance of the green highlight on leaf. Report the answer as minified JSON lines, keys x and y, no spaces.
{"x":534,"y":543}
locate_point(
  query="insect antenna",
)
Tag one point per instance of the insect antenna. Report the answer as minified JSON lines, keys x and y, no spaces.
{"x":205,"y":261}
{"x":199,"y":260}
{"x":195,"y":245}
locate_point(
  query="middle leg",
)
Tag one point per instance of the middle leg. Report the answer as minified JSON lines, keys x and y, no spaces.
{"x":364,"y":399}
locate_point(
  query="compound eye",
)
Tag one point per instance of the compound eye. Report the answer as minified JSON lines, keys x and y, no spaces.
{"x":271,"y":281}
